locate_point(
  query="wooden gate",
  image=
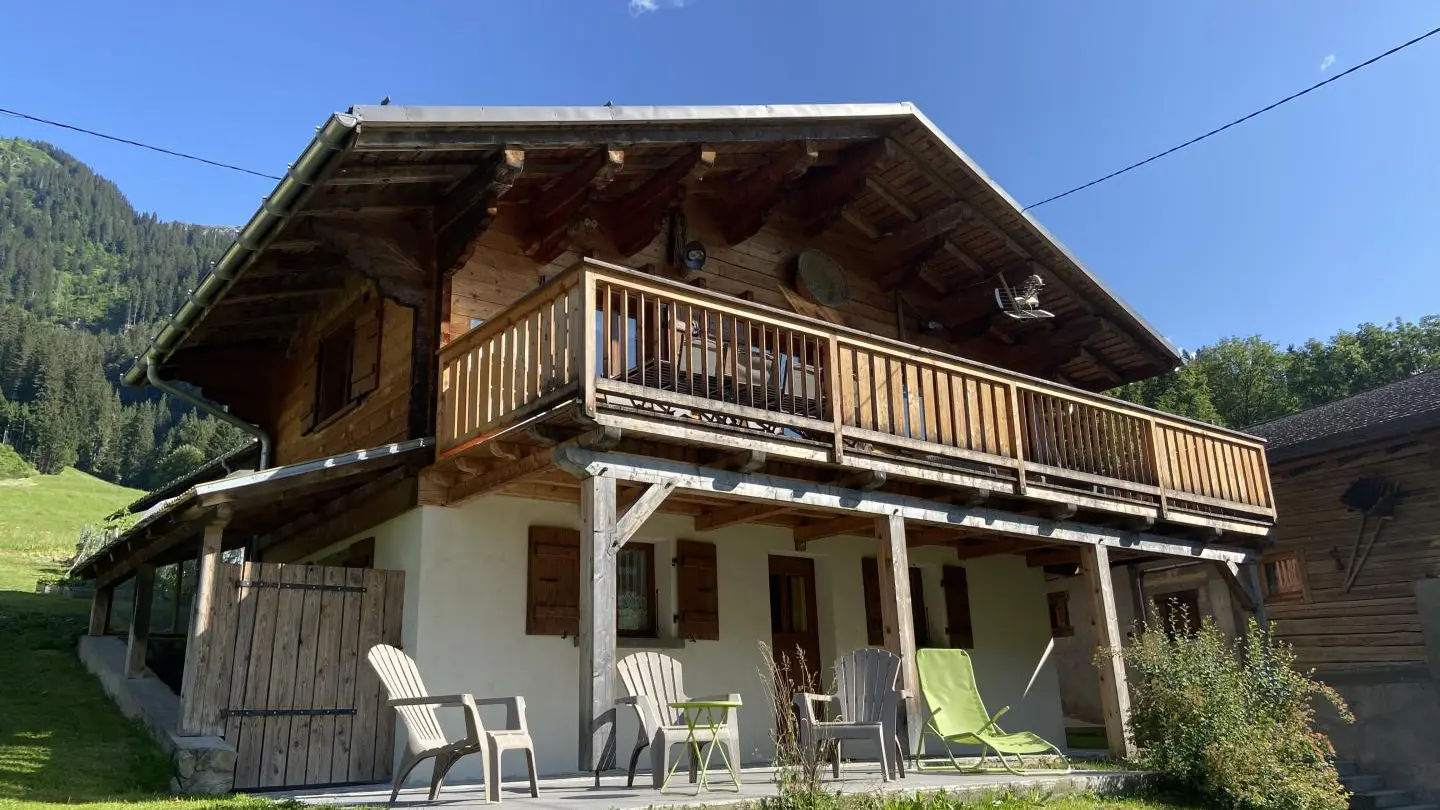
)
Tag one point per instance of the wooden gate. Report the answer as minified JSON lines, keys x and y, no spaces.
{"x":298,"y":700}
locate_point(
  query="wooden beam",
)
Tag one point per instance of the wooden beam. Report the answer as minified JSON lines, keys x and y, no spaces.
{"x":100,"y":605}
{"x":831,"y":527}
{"x":739,"y":513}
{"x":641,"y":510}
{"x":598,"y":541}
{"x":395,"y":255}
{"x":470,"y":207}
{"x":923,"y":230}
{"x":634,"y":220}
{"x":552,"y":215}
{"x":814,"y":495}
{"x":509,"y":473}
{"x":747,"y":461}
{"x":893,"y":562}
{"x":978,"y":547}
{"x":399,"y":174}
{"x":823,"y":195}
{"x":139,"y":640}
{"x":201,"y":645}
{"x":1105,"y":630}
{"x":410,"y":139}
{"x":915,"y":268}
{"x":743,"y":208}
{"x":1052,"y":556}
{"x":189,"y":523}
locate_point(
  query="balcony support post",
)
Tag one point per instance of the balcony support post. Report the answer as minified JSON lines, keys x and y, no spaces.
{"x":1105,"y":630}
{"x":898,"y":618}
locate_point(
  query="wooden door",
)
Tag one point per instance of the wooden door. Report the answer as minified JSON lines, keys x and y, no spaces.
{"x":792,"y":612}
{"x":300,"y":703}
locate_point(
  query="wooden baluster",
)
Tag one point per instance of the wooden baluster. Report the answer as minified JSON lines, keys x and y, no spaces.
{"x":1159,"y":464}
{"x":1012,"y":393}
{"x":837,"y":397}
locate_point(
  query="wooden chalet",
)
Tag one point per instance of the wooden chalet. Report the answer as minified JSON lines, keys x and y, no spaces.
{"x":505,"y":363}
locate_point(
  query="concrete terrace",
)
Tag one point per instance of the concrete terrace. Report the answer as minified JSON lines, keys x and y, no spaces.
{"x":580,"y":793}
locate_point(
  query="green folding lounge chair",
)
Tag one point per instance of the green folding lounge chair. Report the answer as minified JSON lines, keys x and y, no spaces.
{"x":956,"y":714}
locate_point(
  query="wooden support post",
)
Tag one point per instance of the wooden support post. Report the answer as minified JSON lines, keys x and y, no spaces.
{"x":1249,"y":575}
{"x":100,"y":609}
{"x":1105,"y":629}
{"x":899,"y":621}
{"x":598,"y":542}
{"x":140,"y":620}
{"x":198,"y":652}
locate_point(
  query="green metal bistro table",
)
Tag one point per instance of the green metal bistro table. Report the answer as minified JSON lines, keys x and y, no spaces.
{"x":707,"y":716}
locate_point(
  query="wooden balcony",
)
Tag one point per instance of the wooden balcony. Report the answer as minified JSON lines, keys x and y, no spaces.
{"x":605,"y":345}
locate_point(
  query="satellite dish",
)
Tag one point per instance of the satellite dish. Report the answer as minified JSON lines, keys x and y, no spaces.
{"x":821,"y":279}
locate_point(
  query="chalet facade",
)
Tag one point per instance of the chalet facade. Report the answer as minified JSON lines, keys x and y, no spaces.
{"x":536,"y":387}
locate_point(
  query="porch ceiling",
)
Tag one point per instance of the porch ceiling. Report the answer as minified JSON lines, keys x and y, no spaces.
{"x":266,"y":508}
{"x":880,"y":176}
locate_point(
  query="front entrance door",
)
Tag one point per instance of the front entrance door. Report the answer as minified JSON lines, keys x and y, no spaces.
{"x":792,"y":613}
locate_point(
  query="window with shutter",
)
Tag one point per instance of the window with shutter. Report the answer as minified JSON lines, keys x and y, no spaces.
{"x":332,"y":372}
{"x":1282,"y":577}
{"x":697,"y":590}
{"x":552,"y":596}
{"x":365,"y":363}
{"x":1060,"y":614}
{"x":957,"y":607}
{"x":874,"y":617}
{"x":1179,"y":612}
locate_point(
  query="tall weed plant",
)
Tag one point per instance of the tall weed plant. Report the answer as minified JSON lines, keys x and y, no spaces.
{"x":1231,"y":721}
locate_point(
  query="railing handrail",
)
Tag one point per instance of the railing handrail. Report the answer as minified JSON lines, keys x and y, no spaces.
{"x":523,"y":306}
{"x":962,"y":364}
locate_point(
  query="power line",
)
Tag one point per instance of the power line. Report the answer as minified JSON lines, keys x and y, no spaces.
{"x":1372,"y":60}
{"x":162,"y":150}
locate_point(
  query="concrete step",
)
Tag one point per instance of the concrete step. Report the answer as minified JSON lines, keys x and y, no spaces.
{"x":1362,"y":782}
{"x":1379,"y":799}
{"x":1417,"y":807}
{"x":1346,"y":767}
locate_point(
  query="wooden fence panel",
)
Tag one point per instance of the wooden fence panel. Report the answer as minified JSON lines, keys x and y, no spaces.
{"x":298,"y":700}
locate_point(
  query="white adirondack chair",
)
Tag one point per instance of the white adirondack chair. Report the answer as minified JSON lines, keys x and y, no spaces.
{"x":652,"y":682}
{"x":427,"y":739}
{"x":866,"y":704}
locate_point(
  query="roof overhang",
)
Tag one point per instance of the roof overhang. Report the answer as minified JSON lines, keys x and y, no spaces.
{"x":253,"y":505}
{"x":368,"y":136}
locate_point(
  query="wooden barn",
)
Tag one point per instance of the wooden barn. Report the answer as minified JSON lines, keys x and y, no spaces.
{"x":1351,"y":578}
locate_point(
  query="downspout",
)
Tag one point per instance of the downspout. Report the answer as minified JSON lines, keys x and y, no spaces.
{"x":206,"y":406}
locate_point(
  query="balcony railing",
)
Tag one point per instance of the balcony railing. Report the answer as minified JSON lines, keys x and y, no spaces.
{"x":642,"y":350}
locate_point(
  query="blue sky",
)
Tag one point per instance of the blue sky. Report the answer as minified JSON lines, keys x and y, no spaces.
{"x":1313,"y":218}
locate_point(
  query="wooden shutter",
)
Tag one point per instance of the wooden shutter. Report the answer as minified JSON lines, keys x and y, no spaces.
{"x":697,"y":590}
{"x":957,"y":607}
{"x":552,"y":595}
{"x":874,"y":621}
{"x":365,"y":360}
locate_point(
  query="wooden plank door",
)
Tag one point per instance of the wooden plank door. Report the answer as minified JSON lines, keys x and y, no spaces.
{"x":792,"y":612}
{"x":302,"y":705}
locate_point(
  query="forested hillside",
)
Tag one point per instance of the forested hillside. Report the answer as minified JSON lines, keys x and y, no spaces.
{"x":85,"y":282}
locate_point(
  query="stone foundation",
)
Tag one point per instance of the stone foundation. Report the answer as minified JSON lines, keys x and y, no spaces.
{"x":201,"y":765}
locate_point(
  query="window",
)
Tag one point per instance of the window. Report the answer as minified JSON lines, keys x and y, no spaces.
{"x":1178,"y":612}
{"x":332,"y":372}
{"x":635,"y":590}
{"x":874,"y":621}
{"x":552,"y":597}
{"x":958,"y":625}
{"x":347,"y":363}
{"x":1282,"y":577}
{"x":1060,"y":626}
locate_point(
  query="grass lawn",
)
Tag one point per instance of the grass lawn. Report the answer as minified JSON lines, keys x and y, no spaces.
{"x":61,"y":740}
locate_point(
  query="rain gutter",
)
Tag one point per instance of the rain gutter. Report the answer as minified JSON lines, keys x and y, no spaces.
{"x":331,"y":140}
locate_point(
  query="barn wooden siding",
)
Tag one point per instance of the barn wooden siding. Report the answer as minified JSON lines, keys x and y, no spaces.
{"x":1377,"y":623}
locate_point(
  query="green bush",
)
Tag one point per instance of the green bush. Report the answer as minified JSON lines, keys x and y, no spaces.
{"x":1231,"y":721}
{"x":13,"y":465}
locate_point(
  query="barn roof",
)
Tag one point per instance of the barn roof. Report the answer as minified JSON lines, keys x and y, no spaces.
{"x":1401,"y":407}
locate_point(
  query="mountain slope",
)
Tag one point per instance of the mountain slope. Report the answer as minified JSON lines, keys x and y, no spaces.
{"x":85,"y":281}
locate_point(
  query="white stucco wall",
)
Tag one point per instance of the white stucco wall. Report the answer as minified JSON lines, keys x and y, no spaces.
{"x":465,"y":619}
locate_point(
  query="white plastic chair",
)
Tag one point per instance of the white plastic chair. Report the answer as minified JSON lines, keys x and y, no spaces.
{"x":427,"y":739}
{"x":867,"y":706}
